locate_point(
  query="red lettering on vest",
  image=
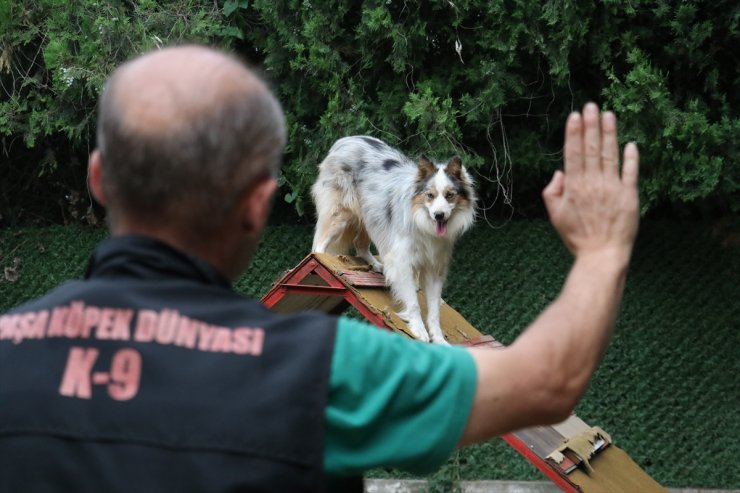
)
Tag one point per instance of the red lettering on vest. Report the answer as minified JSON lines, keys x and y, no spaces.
{"x":166,"y":327}
{"x":206,"y":334}
{"x":38,"y":330}
{"x":32,"y":325}
{"x":125,"y":374}
{"x":105,"y":324}
{"x":8,"y":326}
{"x":187,"y":332}
{"x":74,"y":325}
{"x":4,"y":324}
{"x":56,"y":325}
{"x":258,"y":341}
{"x":121,"y":330}
{"x":76,"y":378}
{"x":146,"y":324}
{"x":91,"y":319}
{"x":221,"y":341}
{"x":123,"y":380}
{"x":248,"y":341}
{"x":113,"y":324}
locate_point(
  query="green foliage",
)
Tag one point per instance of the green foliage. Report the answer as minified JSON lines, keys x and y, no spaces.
{"x":666,"y":389}
{"x":491,"y":81}
{"x":54,"y":59}
{"x":58,"y":57}
{"x":392,"y":69}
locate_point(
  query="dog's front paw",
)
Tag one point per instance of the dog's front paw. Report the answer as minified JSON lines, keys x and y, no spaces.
{"x":419,"y":331}
{"x":421,"y":336}
{"x":436,"y":333}
{"x":440,"y":340}
{"x":377,"y":267}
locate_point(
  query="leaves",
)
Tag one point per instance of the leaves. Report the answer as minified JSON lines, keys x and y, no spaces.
{"x":53,"y":64}
{"x":393,"y":70}
{"x":230,"y":6}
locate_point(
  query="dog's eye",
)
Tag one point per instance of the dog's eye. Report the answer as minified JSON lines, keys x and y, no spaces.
{"x":449,"y":195}
{"x":430,"y":196}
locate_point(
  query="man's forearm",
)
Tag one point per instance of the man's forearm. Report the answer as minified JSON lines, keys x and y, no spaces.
{"x":571,"y":335}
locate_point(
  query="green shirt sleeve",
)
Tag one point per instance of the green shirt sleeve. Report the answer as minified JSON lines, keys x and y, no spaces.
{"x":394,"y":401}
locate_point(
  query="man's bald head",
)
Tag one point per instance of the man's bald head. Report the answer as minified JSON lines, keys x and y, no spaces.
{"x":183,"y":132}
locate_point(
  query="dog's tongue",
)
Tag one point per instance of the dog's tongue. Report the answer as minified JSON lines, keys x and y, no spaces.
{"x":441,"y":227}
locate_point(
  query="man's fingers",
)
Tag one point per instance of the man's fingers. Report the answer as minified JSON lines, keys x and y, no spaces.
{"x":591,"y":138}
{"x":630,"y":165}
{"x":573,"y":151}
{"x":609,"y":146}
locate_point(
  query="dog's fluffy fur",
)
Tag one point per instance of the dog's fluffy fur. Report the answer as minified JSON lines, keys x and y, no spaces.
{"x":367,"y":192}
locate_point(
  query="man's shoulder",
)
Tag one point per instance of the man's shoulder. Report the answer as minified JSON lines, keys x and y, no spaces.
{"x":406,"y":401}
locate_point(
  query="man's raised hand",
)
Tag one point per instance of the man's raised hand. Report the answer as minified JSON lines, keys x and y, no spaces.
{"x":593,"y":208}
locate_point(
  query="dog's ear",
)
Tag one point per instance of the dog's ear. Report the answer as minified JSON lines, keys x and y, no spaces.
{"x":454,"y":167}
{"x":426,"y":167}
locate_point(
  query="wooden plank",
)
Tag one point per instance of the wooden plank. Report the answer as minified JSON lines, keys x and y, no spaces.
{"x":556,"y":475}
{"x":457,"y":330}
{"x":542,"y":440}
{"x":614,"y":471}
{"x":364,"y":279}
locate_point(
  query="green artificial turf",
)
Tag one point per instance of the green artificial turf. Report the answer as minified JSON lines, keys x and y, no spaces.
{"x":667,"y":390}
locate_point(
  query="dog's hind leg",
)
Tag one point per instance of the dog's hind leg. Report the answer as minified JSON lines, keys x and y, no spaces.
{"x":332,"y":232}
{"x":322,"y":237}
{"x":433,"y":294}
{"x":362,"y":249}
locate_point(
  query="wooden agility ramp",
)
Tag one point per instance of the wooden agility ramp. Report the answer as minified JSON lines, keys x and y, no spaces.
{"x":572,"y":454}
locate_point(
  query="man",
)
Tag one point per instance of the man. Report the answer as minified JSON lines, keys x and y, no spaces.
{"x":153,"y":375}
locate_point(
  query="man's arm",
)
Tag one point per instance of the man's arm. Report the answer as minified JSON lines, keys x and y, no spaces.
{"x":543,"y":374}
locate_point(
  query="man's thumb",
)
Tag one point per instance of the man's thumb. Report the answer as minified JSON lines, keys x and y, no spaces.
{"x":554,"y":189}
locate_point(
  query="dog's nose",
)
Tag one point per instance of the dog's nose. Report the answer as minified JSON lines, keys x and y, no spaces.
{"x":439,"y":216}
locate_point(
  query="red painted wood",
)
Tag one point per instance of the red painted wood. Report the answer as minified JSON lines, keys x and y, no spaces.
{"x":273,"y":296}
{"x":364,"y":278}
{"x":372,"y":317}
{"x":544,"y":467}
{"x":315,"y":290}
{"x":327,"y":276}
{"x":290,"y":283}
{"x":300,"y":272}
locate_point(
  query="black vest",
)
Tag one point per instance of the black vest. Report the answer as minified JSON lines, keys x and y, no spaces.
{"x":152,"y":375}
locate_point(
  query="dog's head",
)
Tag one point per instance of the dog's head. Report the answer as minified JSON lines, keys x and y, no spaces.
{"x":444,"y":204}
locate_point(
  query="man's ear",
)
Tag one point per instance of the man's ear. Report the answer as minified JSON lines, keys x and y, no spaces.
{"x":255,"y":205}
{"x":95,"y":177}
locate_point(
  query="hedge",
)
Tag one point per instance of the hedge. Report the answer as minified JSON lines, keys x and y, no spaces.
{"x":489,"y":80}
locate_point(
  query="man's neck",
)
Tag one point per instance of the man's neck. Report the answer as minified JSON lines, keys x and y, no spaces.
{"x":216,"y":250}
